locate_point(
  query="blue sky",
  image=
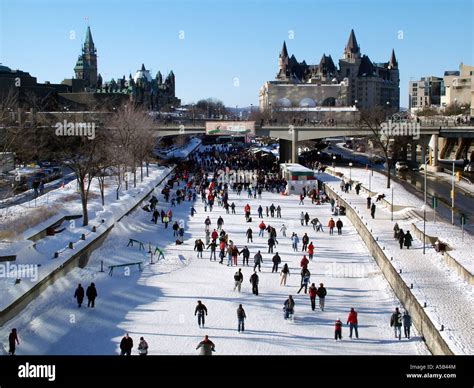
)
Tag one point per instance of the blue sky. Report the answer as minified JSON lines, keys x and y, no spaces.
{"x":230,"y":48}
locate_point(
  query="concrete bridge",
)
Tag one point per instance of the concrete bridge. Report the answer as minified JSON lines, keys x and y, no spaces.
{"x":290,"y":135}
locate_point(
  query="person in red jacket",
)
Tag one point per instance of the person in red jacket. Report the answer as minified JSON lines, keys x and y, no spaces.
{"x":331,"y":225}
{"x":214,"y":235}
{"x":338,"y":329}
{"x":262,"y":228}
{"x":304,"y":263}
{"x":352,"y":322}
{"x":310,"y":250}
{"x":313,"y":292}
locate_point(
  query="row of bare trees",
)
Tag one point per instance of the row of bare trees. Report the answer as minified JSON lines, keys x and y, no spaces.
{"x":121,"y":145}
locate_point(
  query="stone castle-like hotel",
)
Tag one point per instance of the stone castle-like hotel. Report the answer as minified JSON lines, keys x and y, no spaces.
{"x":357,"y":82}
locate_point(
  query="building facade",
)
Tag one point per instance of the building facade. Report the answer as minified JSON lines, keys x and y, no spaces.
{"x":356,"y":81}
{"x":459,"y":87}
{"x":425,"y":93}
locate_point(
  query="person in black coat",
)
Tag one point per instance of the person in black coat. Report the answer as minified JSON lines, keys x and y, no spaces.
{"x":13,"y":341}
{"x":372,"y":210}
{"x":126,"y":346}
{"x":401,"y":238}
{"x":79,"y":294}
{"x":91,"y":295}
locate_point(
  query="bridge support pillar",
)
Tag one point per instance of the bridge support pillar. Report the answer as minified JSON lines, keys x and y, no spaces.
{"x":434,"y":148}
{"x":285,"y":151}
{"x":294,"y":145}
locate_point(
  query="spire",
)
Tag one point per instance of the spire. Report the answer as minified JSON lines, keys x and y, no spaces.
{"x":143,"y":67}
{"x":352,"y":45}
{"x":89,"y":46}
{"x":284,"y":51}
{"x":393,"y":64}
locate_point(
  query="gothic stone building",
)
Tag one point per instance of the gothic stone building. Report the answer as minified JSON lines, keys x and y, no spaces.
{"x":356,"y":82}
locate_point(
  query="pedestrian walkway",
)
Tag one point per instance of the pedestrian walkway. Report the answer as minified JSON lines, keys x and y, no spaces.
{"x":449,"y":300}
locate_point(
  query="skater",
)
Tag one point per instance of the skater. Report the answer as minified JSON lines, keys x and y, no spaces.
{"x":331,"y":225}
{"x":278,"y":210}
{"x":271,"y":244}
{"x":126,"y":345}
{"x":372,"y":210}
{"x":267,"y":211}
{"x":238,"y":278}
{"x":91,"y":295}
{"x":285,"y":272}
{"x":408,"y":239}
{"x":333,"y":203}
{"x":302,"y":218}
{"x":175,"y":228}
{"x":396,"y":323}
{"x":306,"y":218}
{"x":321,"y":295}
{"x":304,"y":263}
{"x":310,"y":250}
{"x":283,"y":230}
{"x":352,"y":322}
{"x":401,"y":238}
{"x":232,"y":207}
{"x":249,"y":235}
{"x":213,"y":246}
{"x":206,"y":346}
{"x":254,"y":282}
{"x":339,"y":226}
{"x":220,"y":222}
{"x":199,"y":247}
{"x":79,"y":294}
{"x":245,"y":256}
{"x":305,"y":276}
{"x":142,"y":347}
{"x":12,"y":342}
{"x":313,"y":292}
{"x":301,"y":199}
{"x":338,"y":329}
{"x":193,"y":211}
{"x":258,"y":260}
{"x":262,"y":228}
{"x":272,"y":210}
{"x":207,"y":222}
{"x":369,"y":200}
{"x":314,"y":222}
{"x":406,"y":324}
{"x":260,"y":211}
{"x":200,"y":311}
{"x":294,"y":241}
{"x":358,"y":186}
{"x":289,"y":307}
{"x":276,"y":261}
{"x":241,"y":316}
{"x":305,"y":241}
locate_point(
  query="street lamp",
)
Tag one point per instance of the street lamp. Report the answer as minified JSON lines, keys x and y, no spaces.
{"x":452,"y":196}
{"x":424,"y":227}
{"x":334,"y":163}
{"x":350,"y":171}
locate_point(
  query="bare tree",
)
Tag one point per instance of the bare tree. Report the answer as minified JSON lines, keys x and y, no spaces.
{"x":390,"y":146}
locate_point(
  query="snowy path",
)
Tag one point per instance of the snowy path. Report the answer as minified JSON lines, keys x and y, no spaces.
{"x":450,"y":300}
{"x":159,"y":302}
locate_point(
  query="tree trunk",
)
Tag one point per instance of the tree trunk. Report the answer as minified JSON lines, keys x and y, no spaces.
{"x":134,"y":177}
{"x":82,"y":190}
{"x":141,"y":171}
{"x":147,"y":164}
{"x":102,"y":189}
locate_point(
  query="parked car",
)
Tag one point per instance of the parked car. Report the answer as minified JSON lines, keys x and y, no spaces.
{"x":469,"y":167}
{"x":401,"y":166}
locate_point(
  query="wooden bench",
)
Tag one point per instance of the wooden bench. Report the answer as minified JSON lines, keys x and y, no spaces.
{"x":111,"y":267}
{"x":131,"y":241}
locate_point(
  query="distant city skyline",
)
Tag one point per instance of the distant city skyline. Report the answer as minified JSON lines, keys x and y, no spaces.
{"x":228,"y":50}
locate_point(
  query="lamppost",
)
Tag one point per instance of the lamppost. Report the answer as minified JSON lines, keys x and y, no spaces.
{"x":271,"y":111}
{"x":452,"y":196}
{"x":350,"y":171}
{"x":334,"y":163}
{"x":424,"y":227}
